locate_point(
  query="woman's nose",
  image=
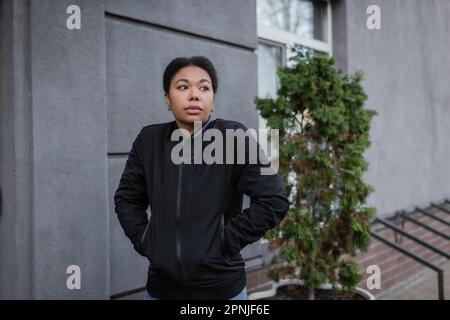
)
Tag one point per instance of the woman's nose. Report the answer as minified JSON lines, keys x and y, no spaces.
{"x":194,"y":94}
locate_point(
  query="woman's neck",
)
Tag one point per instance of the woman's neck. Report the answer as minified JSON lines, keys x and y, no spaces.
{"x":188,"y":126}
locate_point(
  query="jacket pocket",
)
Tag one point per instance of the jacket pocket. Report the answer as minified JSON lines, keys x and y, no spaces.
{"x":145,"y":245}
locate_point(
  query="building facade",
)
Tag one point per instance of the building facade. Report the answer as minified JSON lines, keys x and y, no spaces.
{"x":72,"y":99}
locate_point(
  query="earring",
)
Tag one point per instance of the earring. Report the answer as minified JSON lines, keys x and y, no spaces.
{"x":169,"y":108}
{"x":212,"y":108}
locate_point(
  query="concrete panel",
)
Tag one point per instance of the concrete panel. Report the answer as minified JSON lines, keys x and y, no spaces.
{"x":406,"y":65}
{"x":128,"y":268}
{"x":135,"y":95}
{"x":69,"y":150}
{"x":339,"y":31}
{"x":15,"y":154}
{"x":232,"y":21}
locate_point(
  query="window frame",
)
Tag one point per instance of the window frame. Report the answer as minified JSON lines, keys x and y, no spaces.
{"x":284,"y":39}
{"x":277,"y":36}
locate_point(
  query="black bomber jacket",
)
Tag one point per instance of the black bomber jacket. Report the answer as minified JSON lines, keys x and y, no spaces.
{"x":197,"y":227}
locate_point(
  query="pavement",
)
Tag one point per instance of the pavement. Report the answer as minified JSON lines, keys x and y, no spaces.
{"x":423,"y":286}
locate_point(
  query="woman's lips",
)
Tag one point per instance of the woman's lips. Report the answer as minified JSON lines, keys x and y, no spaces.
{"x":193,"y":110}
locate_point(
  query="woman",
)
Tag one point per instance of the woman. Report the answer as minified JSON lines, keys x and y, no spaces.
{"x":197,"y":227}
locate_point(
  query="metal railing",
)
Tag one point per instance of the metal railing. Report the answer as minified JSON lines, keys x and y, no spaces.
{"x":397,"y":245}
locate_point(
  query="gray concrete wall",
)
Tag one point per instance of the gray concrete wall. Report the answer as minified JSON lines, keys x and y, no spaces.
{"x":339,"y":33}
{"x":15,"y":154}
{"x":407,"y":68}
{"x":72,"y":101}
{"x":70,"y":207}
{"x":54,"y":158}
{"x":232,"y":21}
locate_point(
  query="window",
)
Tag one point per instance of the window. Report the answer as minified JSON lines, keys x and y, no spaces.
{"x":305,"y":18}
{"x":270,"y":58}
{"x":282,"y":24}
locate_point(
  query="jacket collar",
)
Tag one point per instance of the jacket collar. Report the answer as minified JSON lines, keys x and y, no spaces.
{"x":206,"y":124}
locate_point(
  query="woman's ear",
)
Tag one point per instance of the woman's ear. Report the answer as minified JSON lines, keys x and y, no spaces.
{"x":166,"y":98}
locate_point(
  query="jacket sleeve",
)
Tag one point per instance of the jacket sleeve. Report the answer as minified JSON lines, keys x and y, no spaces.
{"x":268,"y":206}
{"x":130,"y":199}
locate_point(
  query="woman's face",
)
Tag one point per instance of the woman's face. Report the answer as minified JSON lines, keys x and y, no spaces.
{"x":190,"y":95}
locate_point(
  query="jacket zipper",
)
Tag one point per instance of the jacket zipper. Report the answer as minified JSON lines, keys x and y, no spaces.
{"x":221,"y":232}
{"x":178,"y":227}
{"x":145,"y":231}
{"x":222,"y":227}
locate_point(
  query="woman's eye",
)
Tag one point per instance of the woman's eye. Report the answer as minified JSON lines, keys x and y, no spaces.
{"x":205,"y":88}
{"x":182,"y":87}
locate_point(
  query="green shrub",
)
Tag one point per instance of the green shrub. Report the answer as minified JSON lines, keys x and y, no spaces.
{"x":324,"y":131}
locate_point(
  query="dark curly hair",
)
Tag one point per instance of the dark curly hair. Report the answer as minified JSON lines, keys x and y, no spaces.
{"x":178,"y":63}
